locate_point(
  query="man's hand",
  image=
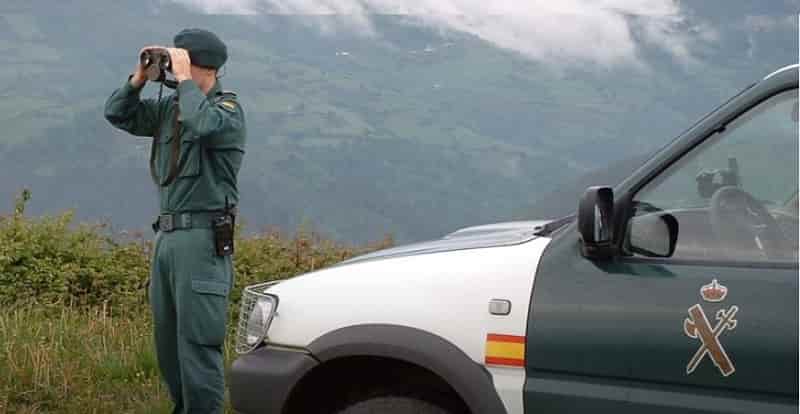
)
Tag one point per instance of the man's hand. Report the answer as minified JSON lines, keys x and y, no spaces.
{"x":139,"y":77}
{"x":181,"y":64}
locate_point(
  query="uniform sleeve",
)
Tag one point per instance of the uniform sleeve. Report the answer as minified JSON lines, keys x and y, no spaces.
{"x":125,"y":110}
{"x":209,"y":122}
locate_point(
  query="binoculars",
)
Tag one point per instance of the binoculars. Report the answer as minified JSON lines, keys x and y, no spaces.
{"x":156,"y":63}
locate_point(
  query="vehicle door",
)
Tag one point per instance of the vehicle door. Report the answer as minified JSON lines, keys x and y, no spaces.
{"x":709,"y":327}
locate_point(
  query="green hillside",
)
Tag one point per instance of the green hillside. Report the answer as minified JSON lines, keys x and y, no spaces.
{"x":414,"y":132}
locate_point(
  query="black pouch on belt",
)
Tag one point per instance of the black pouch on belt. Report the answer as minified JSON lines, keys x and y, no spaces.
{"x":223,"y":234}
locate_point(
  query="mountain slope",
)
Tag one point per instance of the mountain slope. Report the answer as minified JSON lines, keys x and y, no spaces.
{"x":414,"y":131}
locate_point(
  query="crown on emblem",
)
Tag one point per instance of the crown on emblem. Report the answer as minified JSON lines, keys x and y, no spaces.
{"x":713,"y":292}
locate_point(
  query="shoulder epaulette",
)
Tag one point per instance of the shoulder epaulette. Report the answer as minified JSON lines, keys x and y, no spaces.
{"x":226,"y":100}
{"x":225,"y":96}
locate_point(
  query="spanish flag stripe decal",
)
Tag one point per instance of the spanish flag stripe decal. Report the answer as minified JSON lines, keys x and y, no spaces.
{"x":505,"y":350}
{"x":510,"y":362}
{"x":505,"y":338}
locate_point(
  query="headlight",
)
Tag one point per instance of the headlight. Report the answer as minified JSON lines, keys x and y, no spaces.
{"x":257,"y":310}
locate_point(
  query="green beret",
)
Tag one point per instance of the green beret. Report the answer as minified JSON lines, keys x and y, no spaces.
{"x":205,"y":49}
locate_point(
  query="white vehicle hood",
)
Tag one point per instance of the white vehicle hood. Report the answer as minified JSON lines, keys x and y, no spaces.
{"x":442,"y":287}
{"x":490,"y":235}
{"x":419,"y":285}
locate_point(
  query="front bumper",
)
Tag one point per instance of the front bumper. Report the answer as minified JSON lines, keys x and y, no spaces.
{"x":262,"y":381}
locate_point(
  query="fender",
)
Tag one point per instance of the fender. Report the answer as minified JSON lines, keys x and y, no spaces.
{"x":470,"y":380}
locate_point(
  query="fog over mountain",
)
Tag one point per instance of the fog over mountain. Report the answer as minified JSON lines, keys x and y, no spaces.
{"x":368,"y":117}
{"x":557,"y":33}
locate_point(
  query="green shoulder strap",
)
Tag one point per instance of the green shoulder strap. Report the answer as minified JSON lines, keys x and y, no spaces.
{"x":224,"y":96}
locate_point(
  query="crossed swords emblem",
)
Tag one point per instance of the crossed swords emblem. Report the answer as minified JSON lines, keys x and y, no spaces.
{"x":697,"y":326}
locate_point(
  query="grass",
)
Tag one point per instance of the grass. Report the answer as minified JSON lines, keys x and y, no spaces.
{"x":79,"y":361}
{"x":75,"y":330}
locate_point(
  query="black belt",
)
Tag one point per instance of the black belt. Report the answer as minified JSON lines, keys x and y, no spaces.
{"x":184,"y":221}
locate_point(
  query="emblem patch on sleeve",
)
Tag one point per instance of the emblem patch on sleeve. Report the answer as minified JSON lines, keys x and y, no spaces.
{"x":697,"y":326}
{"x":229,"y":105}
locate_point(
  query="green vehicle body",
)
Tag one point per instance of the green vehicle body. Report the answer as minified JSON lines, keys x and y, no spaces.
{"x":607,"y":334}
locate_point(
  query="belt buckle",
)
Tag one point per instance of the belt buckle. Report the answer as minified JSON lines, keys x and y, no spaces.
{"x":166,"y":223}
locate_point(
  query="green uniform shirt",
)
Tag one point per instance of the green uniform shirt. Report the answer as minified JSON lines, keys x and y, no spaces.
{"x":212,"y":134}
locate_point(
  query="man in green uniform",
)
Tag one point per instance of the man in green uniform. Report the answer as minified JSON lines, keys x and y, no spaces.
{"x":198,"y":144}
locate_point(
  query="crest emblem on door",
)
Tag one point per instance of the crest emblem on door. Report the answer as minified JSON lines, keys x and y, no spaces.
{"x":697,"y":326}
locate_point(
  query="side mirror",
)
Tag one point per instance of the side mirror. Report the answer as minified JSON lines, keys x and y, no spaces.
{"x":653,"y":235}
{"x":595,"y":221}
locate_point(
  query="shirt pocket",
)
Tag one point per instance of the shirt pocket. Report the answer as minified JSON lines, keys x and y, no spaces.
{"x":191,"y":157}
{"x":206,"y":312}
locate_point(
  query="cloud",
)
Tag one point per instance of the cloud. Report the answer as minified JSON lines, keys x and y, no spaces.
{"x":765,"y":23}
{"x":566,"y":31}
{"x":756,"y":24}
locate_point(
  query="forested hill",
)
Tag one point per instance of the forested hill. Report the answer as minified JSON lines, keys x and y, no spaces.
{"x":415,"y":131}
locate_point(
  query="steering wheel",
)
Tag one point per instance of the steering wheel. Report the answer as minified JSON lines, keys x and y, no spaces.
{"x":742,"y":224}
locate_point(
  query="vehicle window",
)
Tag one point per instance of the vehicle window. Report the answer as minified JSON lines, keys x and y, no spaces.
{"x":735,"y":196}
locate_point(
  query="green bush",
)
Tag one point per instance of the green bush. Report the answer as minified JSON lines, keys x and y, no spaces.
{"x":73,"y":318}
{"x":50,"y":262}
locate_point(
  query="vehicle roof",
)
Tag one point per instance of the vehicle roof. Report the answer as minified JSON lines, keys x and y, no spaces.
{"x":781,"y":70}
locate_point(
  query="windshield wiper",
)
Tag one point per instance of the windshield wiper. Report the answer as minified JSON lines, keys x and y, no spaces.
{"x":554,"y":225}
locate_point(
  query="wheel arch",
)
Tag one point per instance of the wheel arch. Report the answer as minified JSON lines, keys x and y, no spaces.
{"x":470,"y":381}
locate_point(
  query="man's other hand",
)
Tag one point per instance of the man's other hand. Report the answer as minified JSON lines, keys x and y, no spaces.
{"x":181,"y":64}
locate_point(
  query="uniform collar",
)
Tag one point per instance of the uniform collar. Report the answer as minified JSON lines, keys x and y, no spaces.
{"x":216,"y":89}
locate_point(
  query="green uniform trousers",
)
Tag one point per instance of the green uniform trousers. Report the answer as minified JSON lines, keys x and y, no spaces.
{"x":189,"y":287}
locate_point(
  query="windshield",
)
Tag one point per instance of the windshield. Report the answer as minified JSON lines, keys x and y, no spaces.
{"x":368,"y":118}
{"x":747,"y":154}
